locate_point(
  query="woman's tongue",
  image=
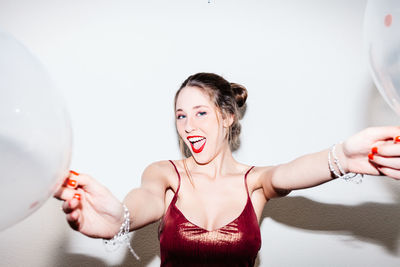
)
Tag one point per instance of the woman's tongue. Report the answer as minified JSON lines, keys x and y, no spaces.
{"x":198,"y":145}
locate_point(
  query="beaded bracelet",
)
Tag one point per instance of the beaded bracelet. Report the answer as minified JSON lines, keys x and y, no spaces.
{"x":122,"y":236}
{"x":351,"y":176}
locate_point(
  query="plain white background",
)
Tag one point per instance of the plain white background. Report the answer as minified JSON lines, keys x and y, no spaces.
{"x":118,"y":64}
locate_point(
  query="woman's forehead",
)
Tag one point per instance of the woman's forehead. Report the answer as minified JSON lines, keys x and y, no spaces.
{"x":190,"y":97}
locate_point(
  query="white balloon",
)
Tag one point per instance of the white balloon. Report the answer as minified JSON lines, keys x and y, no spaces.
{"x":382,"y":39}
{"x":35,"y":133}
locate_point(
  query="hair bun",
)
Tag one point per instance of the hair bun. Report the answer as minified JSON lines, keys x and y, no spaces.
{"x":239,"y":93}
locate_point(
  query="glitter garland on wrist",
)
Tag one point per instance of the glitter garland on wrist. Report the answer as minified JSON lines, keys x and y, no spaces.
{"x":122,"y":236}
{"x":350,"y":176}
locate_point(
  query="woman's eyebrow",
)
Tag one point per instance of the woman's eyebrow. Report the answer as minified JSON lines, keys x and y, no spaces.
{"x":195,"y":107}
{"x":200,"y":106}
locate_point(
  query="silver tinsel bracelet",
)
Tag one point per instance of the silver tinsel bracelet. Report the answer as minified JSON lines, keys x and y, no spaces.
{"x":122,"y":236}
{"x":350,"y":176}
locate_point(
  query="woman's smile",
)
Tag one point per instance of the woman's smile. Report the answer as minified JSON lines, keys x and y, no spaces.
{"x":197,"y":142}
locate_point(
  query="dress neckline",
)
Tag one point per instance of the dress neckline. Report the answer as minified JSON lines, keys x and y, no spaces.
{"x":173,"y":201}
{"x":214,"y":230}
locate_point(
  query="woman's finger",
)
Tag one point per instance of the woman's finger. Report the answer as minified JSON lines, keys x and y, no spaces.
{"x":74,"y":181}
{"x":382,"y":133}
{"x":70,"y":205}
{"x":389,"y":162}
{"x":79,"y":180}
{"x":392,"y":173}
{"x":73,"y":219}
{"x":64,"y":193}
{"x":70,"y":183}
{"x":387,"y":149}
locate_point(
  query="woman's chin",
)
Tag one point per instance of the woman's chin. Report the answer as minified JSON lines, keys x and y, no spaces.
{"x":200,"y":159}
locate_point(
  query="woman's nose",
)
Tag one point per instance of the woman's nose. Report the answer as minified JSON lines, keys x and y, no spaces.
{"x":189,"y":126}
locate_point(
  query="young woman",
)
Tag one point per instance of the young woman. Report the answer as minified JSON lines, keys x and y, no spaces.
{"x":210,"y":204}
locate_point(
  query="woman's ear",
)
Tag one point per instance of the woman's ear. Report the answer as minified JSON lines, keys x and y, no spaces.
{"x":228,"y":120}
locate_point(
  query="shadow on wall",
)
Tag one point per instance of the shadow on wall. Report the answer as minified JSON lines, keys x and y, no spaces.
{"x":375,"y":223}
{"x":146,"y":245}
{"x":144,"y":242}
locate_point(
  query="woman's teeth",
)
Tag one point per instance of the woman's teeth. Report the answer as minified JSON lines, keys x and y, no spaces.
{"x":195,"y":139}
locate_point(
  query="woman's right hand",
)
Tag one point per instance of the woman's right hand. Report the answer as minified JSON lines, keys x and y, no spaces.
{"x":90,"y":207}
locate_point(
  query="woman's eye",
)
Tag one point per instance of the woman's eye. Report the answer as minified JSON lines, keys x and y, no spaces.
{"x":180,"y":117}
{"x":201,"y":113}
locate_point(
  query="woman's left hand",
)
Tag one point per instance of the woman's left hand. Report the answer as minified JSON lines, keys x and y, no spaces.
{"x":374,"y":151}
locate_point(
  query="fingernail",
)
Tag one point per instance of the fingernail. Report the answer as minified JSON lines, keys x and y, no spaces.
{"x":397,"y":139}
{"x":72,"y":183}
{"x":374,"y":150}
{"x":371,"y":156}
{"x":74,"y":173}
{"x":77,"y":196}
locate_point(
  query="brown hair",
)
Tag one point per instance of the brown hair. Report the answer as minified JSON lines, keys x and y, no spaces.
{"x":229,"y":98}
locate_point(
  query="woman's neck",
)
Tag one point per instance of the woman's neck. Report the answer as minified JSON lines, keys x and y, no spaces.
{"x":222,"y":164}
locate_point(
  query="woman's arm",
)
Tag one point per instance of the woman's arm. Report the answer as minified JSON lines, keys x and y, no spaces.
{"x":306,"y":171}
{"x":147,"y":203}
{"x":94,"y":211}
{"x":313,"y":169}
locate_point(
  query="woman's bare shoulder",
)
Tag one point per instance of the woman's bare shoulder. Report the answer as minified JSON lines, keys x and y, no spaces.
{"x":159,"y":165}
{"x":161,"y":171}
{"x":260,"y":175}
{"x":260,"y":171}
{"x":264,"y":180}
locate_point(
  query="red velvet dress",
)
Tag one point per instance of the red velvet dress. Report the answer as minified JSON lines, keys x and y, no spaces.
{"x":183,"y":243}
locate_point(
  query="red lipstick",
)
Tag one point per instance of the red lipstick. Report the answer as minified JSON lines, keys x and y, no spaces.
{"x":196,"y":141}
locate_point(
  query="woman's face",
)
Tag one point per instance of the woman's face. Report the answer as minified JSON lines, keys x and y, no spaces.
{"x":200,"y":124}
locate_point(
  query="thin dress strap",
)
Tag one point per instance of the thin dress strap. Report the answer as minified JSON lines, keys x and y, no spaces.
{"x":245,"y":180}
{"x":179,"y":177}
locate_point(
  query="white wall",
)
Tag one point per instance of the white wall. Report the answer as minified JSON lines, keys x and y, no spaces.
{"x":118,"y":64}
